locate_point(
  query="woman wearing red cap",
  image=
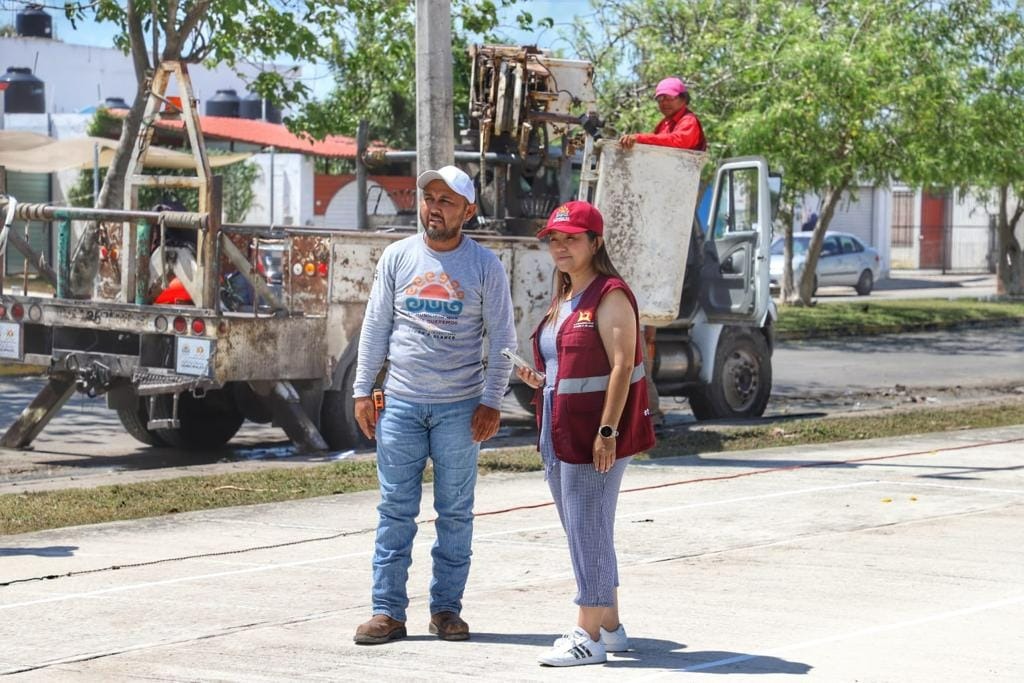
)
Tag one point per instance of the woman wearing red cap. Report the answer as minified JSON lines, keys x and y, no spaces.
{"x":593,"y":415}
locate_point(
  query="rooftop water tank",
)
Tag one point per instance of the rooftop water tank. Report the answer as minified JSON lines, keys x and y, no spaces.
{"x":25,"y":93}
{"x":253,"y":106}
{"x":33,"y":22}
{"x":224,"y":103}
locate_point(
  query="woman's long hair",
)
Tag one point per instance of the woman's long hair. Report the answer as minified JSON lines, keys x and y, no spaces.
{"x":562,"y":284}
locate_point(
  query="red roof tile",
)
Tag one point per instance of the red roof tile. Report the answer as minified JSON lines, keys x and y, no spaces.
{"x":266,"y":134}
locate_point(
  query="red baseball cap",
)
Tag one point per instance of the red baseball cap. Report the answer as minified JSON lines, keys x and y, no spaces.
{"x":574,"y":217}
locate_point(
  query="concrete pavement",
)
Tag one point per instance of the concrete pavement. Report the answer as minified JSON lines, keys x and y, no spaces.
{"x":887,"y":560}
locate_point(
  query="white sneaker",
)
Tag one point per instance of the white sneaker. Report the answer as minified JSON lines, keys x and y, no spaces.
{"x":615,"y":641}
{"x":574,"y":649}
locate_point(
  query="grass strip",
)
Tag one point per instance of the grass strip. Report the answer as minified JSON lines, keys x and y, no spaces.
{"x":867,"y":318}
{"x":22,"y":513}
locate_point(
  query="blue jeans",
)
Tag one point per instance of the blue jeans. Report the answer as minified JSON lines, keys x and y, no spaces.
{"x":408,"y":434}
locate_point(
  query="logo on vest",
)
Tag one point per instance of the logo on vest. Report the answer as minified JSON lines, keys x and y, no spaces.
{"x":585,"y":319}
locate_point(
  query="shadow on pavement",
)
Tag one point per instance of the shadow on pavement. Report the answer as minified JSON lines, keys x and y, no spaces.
{"x":48,"y":551}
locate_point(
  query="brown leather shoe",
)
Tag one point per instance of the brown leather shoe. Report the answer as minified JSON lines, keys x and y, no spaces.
{"x":380,"y":629}
{"x":449,"y":626}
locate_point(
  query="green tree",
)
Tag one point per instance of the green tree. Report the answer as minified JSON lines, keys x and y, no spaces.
{"x":820,"y":88}
{"x":973,"y":139}
{"x":373,"y":62}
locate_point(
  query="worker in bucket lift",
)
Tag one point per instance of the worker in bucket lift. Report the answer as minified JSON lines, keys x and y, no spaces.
{"x":680,"y":128}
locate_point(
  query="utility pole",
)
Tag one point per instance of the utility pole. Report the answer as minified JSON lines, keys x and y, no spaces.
{"x":435,"y":137}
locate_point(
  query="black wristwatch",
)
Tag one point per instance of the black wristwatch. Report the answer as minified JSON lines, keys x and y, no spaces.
{"x":607,"y":432}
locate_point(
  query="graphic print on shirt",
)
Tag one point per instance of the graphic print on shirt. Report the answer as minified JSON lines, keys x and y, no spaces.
{"x":435,"y":300}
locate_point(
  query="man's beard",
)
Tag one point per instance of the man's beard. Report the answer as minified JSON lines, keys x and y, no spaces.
{"x":439,"y":234}
{"x":442,"y":234}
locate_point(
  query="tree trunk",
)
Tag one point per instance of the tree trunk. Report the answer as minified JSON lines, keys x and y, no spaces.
{"x":1010,"y":266}
{"x":789,"y":292}
{"x":832,"y":197}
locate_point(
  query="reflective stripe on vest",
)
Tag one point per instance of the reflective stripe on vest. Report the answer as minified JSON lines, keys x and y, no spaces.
{"x":586,"y":385}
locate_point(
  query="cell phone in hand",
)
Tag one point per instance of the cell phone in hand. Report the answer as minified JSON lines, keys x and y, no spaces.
{"x":520,"y":362}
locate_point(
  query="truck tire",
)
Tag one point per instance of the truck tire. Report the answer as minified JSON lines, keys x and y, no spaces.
{"x":206,"y":423}
{"x":524,"y":394}
{"x":134,"y":421}
{"x":741,"y":381}
{"x":337,"y":416}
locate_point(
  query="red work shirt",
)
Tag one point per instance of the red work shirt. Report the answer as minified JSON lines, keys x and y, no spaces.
{"x":682,"y":130}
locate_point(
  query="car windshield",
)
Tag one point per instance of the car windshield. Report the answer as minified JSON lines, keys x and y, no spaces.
{"x":799,"y":246}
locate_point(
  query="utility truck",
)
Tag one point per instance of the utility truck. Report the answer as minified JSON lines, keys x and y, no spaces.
{"x":237,"y":343}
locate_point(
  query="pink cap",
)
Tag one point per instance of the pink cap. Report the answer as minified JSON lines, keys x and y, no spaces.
{"x":671,"y":86}
{"x":574,"y":217}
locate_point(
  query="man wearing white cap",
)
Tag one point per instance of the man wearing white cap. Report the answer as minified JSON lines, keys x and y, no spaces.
{"x":680,"y":127}
{"x":435,"y":295}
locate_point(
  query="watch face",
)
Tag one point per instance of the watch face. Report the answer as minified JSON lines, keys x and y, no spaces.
{"x":606,"y":431}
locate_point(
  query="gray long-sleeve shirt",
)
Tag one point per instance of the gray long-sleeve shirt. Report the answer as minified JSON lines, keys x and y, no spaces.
{"x":427,"y":315}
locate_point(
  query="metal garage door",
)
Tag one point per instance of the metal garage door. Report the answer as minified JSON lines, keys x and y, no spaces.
{"x":855,"y":214}
{"x":31,"y":188}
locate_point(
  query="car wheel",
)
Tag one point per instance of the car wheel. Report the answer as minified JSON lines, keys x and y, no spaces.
{"x":865,"y":283}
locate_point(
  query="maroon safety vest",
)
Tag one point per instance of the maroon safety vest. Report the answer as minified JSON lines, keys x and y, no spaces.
{"x":583,"y":373}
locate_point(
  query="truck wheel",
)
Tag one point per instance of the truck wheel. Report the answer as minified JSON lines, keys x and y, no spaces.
{"x":134,"y":421}
{"x":337,"y":419}
{"x":524,"y":395}
{"x":742,"y":378}
{"x":206,"y":423}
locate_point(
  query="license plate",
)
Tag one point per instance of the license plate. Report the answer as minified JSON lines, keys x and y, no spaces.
{"x":11,"y":341}
{"x":194,"y":356}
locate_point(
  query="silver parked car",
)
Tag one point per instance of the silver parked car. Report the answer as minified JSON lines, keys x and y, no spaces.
{"x":844,"y":260}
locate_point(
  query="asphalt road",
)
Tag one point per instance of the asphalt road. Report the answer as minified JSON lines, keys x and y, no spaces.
{"x":85,"y":441}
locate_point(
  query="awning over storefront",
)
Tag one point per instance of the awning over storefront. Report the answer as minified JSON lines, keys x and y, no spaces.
{"x":34,"y":153}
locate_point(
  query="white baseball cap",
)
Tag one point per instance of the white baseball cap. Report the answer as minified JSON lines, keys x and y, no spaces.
{"x":453,"y":177}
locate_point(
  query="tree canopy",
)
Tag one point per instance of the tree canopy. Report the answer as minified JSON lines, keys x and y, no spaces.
{"x":834,"y":94}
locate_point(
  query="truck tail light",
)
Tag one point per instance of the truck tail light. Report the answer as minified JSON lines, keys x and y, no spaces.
{"x":310,"y":268}
{"x":180,"y":325}
{"x":3,"y":311}
{"x":104,"y":253}
{"x":321,"y":268}
{"x":17,"y":312}
{"x":198,"y":326}
{"x":160,"y":323}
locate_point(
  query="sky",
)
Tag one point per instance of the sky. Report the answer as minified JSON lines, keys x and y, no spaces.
{"x":561,"y":11}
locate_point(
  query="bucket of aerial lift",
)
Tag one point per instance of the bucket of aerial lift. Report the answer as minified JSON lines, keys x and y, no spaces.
{"x":647,"y":196}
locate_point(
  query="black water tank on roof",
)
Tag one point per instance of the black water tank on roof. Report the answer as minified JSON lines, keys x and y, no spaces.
{"x":272,"y":113}
{"x":251,"y":107}
{"x":224,"y":103}
{"x":33,"y":22}
{"x":25,"y":94}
